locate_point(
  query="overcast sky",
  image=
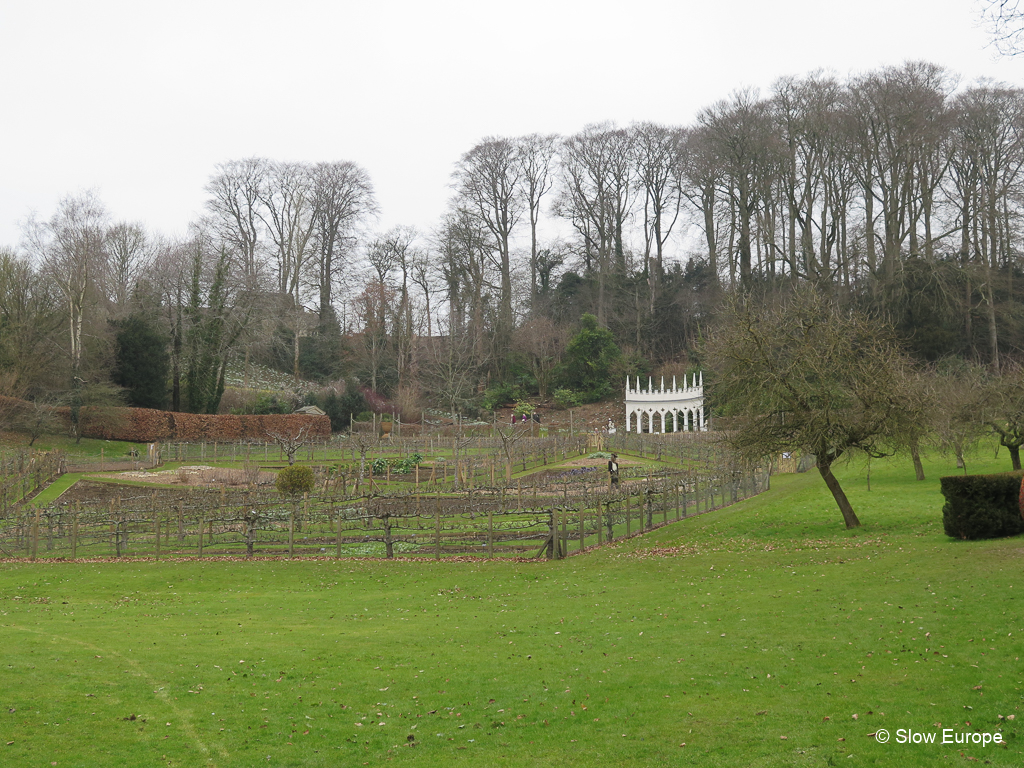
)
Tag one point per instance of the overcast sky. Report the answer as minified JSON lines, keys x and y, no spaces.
{"x":140,"y":100}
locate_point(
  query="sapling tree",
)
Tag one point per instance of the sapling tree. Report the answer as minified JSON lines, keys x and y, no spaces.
{"x":290,"y":442}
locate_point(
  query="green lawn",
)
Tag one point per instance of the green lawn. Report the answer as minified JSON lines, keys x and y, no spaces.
{"x":763,"y":634}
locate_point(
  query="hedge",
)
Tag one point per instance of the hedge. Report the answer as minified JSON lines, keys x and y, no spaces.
{"x":982,"y":506}
{"x":144,"y":425}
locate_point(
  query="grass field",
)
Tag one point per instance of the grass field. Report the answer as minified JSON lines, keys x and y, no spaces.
{"x":763,"y":634}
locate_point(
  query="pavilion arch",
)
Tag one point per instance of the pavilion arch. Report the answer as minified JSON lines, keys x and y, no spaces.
{"x":677,"y":409}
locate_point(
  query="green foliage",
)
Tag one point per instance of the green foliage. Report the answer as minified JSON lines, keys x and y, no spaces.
{"x":566,"y":398}
{"x":523,"y":407}
{"x":340,"y":408}
{"x":408,"y":463}
{"x":501,"y":394}
{"x":399,"y":466}
{"x":267,"y":403}
{"x":142,"y":362}
{"x":294,"y":480}
{"x":587,"y":366}
{"x":982,"y":506}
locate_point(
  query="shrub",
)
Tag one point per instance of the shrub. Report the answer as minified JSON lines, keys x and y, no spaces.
{"x":294,"y":480}
{"x":408,"y":464}
{"x":566,"y":398}
{"x":982,"y":506}
{"x":501,"y":394}
{"x":589,"y":359}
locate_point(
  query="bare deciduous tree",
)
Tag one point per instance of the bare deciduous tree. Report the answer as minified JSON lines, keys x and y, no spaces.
{"x":808,"y":376}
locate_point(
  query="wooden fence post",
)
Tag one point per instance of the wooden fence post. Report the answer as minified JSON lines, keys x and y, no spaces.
{"x":74,"y":533}
{"x":437,"y":527}
{"x":627,"y":515}
{"x":490,"y":532}
{"x":156,"y":530}
{"x":552,"y":531}
{"x":582,"y":533}
{"x":35,"y":533}
{"x":291,"y":533}
{"x":201,"y":521}
{"x":563,"y":548}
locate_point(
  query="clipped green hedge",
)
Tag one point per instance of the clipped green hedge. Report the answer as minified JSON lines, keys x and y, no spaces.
{"x":982,"y":506}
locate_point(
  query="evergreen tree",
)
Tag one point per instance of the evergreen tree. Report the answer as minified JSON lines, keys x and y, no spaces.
{"x":589,"y":359}
{"x":142,"y":362}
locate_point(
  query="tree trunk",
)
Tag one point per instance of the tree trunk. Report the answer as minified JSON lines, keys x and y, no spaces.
{"x":1014,"y":456}
{"x":915,"y":454}
{"x":849,"y":516}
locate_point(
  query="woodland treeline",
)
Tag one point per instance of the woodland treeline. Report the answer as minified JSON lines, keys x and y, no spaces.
{"x":898,"y":192}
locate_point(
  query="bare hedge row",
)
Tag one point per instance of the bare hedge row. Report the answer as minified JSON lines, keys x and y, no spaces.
{"x":144,"y":425}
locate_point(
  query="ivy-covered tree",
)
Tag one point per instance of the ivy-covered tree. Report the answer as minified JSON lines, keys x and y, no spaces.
{"x":142,"y":362}
{"x":210,"y":333}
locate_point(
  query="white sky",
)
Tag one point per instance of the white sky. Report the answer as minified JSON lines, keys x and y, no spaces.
{"x":140,"y":100}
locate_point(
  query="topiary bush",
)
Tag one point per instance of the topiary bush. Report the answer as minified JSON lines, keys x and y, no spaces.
{"x":982,"y":506}
{"x":294,"y":480}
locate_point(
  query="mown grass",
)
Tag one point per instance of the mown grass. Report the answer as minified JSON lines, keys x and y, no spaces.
{"x":752,"y":635}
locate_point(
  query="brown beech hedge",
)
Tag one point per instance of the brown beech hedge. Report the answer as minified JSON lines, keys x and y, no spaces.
{"x":144,"y":425}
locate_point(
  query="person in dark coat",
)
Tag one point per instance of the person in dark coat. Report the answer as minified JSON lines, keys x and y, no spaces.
{"x":613,"y":469}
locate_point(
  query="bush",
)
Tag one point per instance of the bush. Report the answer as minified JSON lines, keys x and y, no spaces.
{"x":982,"y":506}
{"x":294,"y":480}
{"x":566,"y":398}
{"x":587,"y":365}
{"x":500,"y":395}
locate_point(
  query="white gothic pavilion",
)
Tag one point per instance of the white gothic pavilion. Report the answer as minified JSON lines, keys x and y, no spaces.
{"x":684,"y":404}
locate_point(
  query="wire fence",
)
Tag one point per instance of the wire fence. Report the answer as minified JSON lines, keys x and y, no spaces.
{"x":547,"y":514}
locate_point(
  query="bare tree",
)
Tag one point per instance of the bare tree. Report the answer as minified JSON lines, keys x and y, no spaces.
{"x":343,"y":198}
{"x":72,"y":247}
{"x":30,"y":322}
{"x":487,"y":179}
{"x":1005,"y":22}
{"x":452,"y":368}
{"x":809,"y":376}
{"x":542,"y":341}
{"x":286,"y":197}
{"x":234,"y":203}
{"x":129,"y":252}
{"x":290,"y":441}
{"x":536,"y":154}
{"x":748,"y":151}
{"x":596,"y":196}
